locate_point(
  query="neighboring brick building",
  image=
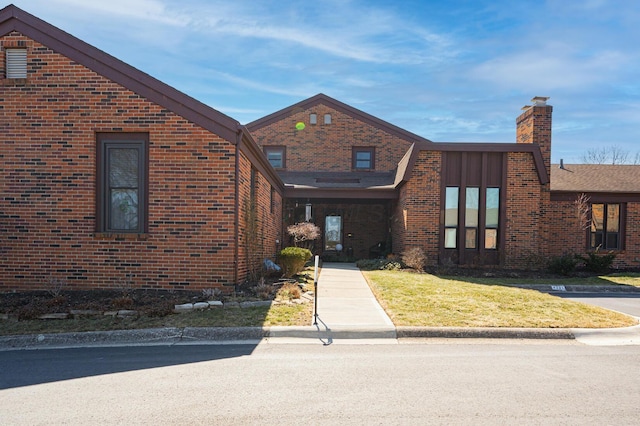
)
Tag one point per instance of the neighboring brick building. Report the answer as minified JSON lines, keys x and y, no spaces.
{"x":109,"y":177}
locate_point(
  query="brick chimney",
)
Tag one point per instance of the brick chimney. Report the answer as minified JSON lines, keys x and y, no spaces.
{"x":534,"y":126}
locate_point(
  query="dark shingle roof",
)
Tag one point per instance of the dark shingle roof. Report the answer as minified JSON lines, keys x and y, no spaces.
{"x":355,"y":180}
{"x":595,"y":178}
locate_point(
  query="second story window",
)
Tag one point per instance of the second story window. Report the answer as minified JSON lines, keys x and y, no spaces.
{"x":363,"y":158}
{"x":327,"y":119}
{"x":313,"y":118}
{"x":276,"y":156}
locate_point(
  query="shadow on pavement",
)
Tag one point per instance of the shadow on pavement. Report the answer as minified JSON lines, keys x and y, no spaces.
{"x":31,"y":367}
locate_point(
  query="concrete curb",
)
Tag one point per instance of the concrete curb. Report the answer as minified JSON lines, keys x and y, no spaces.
{"x":484,"y":333}
{"x":171,"y":336}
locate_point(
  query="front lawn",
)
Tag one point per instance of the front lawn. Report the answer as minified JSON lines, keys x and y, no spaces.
{"x":412,"y":299}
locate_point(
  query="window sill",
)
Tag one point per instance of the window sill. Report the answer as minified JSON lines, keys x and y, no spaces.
{"x":114,"y":236}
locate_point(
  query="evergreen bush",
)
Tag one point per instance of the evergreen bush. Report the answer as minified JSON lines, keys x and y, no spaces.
{"x":292,"y":260}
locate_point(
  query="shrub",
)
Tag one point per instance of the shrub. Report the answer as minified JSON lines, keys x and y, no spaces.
{"x":379,"y":264}
{"x":563,"y":265}
{"x":292,"y":260}
{"x":414,"y":258}
{"x":598,"y":263}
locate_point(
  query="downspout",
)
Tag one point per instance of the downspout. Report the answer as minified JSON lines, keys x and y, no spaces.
{"x":237,"y":208}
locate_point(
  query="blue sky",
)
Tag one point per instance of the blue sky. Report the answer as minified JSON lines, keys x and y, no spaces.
{"x":447,"y":70}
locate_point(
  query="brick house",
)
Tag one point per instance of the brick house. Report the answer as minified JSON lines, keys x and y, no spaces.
{"x":109,"y":176}
{"x":372,"y":187}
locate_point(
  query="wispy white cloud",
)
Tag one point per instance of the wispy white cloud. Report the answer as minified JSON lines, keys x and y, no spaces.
{"x":147,"y":10}
{"x":551,"y":69}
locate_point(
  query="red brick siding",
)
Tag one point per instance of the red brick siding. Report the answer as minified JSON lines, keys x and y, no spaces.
{"x":416,"y":220}
{"x":328,"y":147}
{"x":47,"y":206}
{"x":567,"y":234}
{"x":630,"y":257}
{"x":268,"y":221}
{"x":527,"y":204}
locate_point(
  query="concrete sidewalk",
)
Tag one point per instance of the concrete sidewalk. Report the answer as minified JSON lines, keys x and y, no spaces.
{"x":345,"y":302}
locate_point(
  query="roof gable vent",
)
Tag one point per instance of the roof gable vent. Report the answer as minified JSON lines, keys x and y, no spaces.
{"x":16,"y":61}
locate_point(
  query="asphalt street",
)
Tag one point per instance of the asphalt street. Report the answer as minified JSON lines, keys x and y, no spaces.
{"x":439,"y":382}
{"x":628,"y":303}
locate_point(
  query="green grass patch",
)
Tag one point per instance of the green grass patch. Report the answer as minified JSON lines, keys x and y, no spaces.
{"x":412,"y":299}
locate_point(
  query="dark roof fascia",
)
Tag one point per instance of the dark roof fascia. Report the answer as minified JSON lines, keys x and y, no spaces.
{"x":478,"y":147}
{"x":341,"y":193}
{"x":339,"y":106}
{"x":250,"y":148}
{"x":597,"y":197}
{"x":13,"y":18}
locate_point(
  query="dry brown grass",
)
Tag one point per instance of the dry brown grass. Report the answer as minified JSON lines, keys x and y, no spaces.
{"x":425,"y":300}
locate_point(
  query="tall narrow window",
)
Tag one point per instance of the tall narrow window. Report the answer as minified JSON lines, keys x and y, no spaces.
{"x":605,"y":226}
{"x":451,"y":217}
{"x":471,"y":218}
{"x":491,"y":218}
{"x":272,"y":200}
{"x":253,"y":185}
{"x":332,"y":232}
{"x":313,"y":118}
{"x":327,"y":119}
{"x":122,"y":186}
{"x":16,"y":63}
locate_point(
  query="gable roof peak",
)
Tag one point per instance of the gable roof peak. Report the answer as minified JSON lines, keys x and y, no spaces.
{"x":321,"y":98}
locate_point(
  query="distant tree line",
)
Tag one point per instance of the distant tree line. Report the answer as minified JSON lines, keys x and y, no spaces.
{"x":610,"y":155}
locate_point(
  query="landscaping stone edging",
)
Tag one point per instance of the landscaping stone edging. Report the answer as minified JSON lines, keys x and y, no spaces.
{"x":178,"y":309}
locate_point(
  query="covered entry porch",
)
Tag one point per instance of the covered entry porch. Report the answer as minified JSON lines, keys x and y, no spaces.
{"x":349,"y":229}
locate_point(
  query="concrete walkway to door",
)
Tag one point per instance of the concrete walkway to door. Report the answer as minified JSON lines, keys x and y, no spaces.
{"x":347,"y":305}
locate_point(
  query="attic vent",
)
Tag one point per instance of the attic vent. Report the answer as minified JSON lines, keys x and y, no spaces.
{"x":16,"y":60}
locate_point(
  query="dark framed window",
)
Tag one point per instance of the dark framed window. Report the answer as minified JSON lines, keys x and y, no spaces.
{"x":363,"y":158}
{"x":272,"y":200}
{"x":606,"y":226}
{"x":122,"y":160}
{"x":451,"y":217}
{"x":475,"y":231}
{"x":276,"y":156}
{"x":492,"y":218}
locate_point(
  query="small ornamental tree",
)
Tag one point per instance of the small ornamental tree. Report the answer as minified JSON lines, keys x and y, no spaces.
{"x":304,"y":233}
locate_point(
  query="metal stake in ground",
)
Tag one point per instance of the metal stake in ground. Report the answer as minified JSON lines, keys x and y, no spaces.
{"x":315,"y":292}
